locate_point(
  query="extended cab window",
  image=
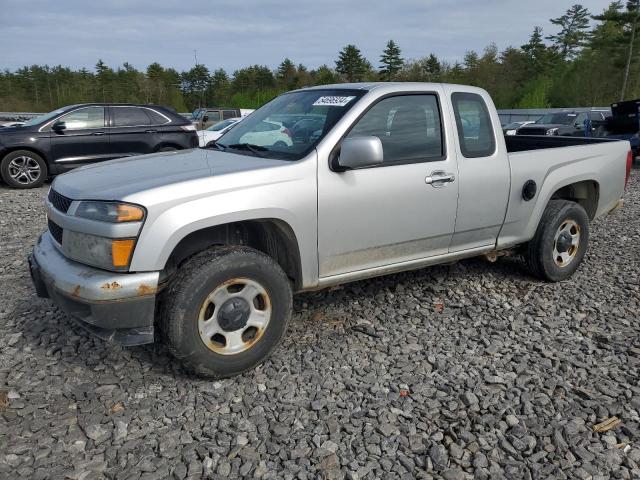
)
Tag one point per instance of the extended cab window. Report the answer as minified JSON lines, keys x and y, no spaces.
{"x":129,"y":117}
{"x":475,"y":130}
{"x":90,"y":117}
{"x":408,"y":126}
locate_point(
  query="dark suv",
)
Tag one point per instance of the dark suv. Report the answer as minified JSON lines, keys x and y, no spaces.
{"x":80,"y":134}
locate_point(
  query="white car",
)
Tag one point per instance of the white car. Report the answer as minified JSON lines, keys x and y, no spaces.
{"x":268,"y":133}
{"x":214,"y":132}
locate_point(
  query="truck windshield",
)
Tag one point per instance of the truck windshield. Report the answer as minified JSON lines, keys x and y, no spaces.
{"x":558,"y":118}
{"x":291,"y":125}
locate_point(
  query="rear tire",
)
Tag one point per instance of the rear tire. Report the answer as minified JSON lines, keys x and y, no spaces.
{"x":226,"y":311}
{"x":23,"y":169}
{"x":560,"y":242}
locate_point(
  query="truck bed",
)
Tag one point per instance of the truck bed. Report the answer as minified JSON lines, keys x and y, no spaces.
{"x":521,"y":143}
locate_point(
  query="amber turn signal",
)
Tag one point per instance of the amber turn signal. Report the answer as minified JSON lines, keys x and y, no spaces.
{"x":121,"y":251}
{"x":129,"y":213}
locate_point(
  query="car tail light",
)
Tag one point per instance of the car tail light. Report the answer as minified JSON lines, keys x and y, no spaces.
{"x":629,"y":163}
{"x":188,"y":128}
{"x":287,"y":132}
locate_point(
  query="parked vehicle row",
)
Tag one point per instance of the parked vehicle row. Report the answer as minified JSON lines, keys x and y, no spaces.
{"x":204,"y":118}
{"x":81,"y":134}
{"x":571,"y":124}
{"x":206,"y":246}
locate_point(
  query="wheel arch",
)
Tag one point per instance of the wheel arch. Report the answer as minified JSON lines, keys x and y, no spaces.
{"x":271,"y":236}
{"x":162,"y":145}
{"x":586,"y":193}
{"x":28,"y":148}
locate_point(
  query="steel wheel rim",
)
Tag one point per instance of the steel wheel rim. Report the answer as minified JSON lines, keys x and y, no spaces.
{"x":24,"y":170}
{"x":566,"y":243}
{"x":221,"y":338}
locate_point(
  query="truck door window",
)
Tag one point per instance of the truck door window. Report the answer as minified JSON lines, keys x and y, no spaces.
{"x":409,"y":127}
{"x":475,"y":130}
{"x":228,"y":114}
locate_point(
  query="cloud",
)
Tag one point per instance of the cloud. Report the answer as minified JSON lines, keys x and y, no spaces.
{"x":232,"y":34}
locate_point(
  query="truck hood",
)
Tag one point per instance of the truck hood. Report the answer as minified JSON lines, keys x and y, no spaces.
{"x":543,"y":125}
{"x":124,"y":177}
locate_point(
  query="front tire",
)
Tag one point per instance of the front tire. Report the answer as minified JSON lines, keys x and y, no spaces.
{"x":23,"y":169}
{"x":560,"y":242}
{"x":226,"y":311}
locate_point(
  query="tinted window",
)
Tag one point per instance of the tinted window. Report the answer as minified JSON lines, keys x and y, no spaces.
{"x":228,"y":114}
{"x":475,"y":130}
{"x":129,"y":117}
{"x":213,"y":116}
{"x":156,"y":118}
{"x":90,"y":117}
{"x":408,"y":126}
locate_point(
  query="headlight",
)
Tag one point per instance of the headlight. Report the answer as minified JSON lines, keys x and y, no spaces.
{"x":112,"y":212}
{"x":552,"y":131}
{"x":101,"y":252}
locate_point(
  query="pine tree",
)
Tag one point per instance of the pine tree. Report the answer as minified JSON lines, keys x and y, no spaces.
{"x":433,"y":68}
{"x":391,"y":61}
{"x":629,"y":21}
{"x":574,"y":31}
{"x":286,"y":74}
{"x":351,"y":64}
{"x":541,"y":57}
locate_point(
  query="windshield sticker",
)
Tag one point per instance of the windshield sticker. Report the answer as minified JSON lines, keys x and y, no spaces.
{"x":332,"y":101}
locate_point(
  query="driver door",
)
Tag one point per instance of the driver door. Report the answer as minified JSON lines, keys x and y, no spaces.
{"x":396,"y":211}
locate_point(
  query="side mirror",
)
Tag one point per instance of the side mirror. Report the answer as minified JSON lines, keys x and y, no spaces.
{"x":58,"y":126}
{"x":205,"y":118}
{"x":360,"y":152}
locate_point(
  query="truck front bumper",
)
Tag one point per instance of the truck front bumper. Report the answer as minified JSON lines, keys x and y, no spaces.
{"x":117,"y":307}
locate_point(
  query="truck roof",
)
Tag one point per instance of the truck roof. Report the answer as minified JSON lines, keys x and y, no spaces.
{"x":374,"y":85}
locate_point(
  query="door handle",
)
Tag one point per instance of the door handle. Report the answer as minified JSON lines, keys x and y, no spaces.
{"x":439,"y":179}
{"x":151,"y":131}
{"x":97,"y":133}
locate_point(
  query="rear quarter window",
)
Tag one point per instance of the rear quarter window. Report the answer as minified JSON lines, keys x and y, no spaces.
{"x":475,"y":130}
{"x":155,"y":117}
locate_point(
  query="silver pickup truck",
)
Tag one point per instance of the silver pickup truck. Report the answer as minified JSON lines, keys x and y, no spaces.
{"x":206,"y":246}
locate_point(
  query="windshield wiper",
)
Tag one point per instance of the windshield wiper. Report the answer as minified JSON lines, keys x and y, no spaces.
{"x":255,"y":149}
{"x":217,"y":145}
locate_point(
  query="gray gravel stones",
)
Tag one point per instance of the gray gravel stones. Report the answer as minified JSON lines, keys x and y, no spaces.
{"x":474,"y":370}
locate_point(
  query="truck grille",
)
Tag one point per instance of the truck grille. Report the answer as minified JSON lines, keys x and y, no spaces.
{"x":532,"y":131}
{"x":55,"y":230}
{"x":59,"y":202}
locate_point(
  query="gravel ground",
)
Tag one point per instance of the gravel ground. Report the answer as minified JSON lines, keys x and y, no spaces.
{"x":474,"y":370}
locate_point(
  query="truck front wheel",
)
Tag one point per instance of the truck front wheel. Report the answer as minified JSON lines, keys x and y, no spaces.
{"x":560,"y":242}
{"x":226,"y":310}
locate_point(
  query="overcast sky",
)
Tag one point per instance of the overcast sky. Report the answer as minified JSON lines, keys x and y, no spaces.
{"x":233,"y":34}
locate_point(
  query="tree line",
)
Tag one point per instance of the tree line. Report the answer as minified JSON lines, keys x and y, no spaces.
{"x":591,"y":60}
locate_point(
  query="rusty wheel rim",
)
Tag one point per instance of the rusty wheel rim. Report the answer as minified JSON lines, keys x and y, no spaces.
{"x":234,"y":316}
{"x":566,"y":243}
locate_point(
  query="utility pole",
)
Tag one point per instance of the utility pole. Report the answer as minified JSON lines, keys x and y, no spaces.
{"x":627,"y":67}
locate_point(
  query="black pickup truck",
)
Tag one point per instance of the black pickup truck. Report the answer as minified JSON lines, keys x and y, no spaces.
{"x":566,"y":124}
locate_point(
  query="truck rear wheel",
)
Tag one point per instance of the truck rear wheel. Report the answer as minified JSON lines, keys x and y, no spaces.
{"x":226,"y":310}
{"x":560,"y":242}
